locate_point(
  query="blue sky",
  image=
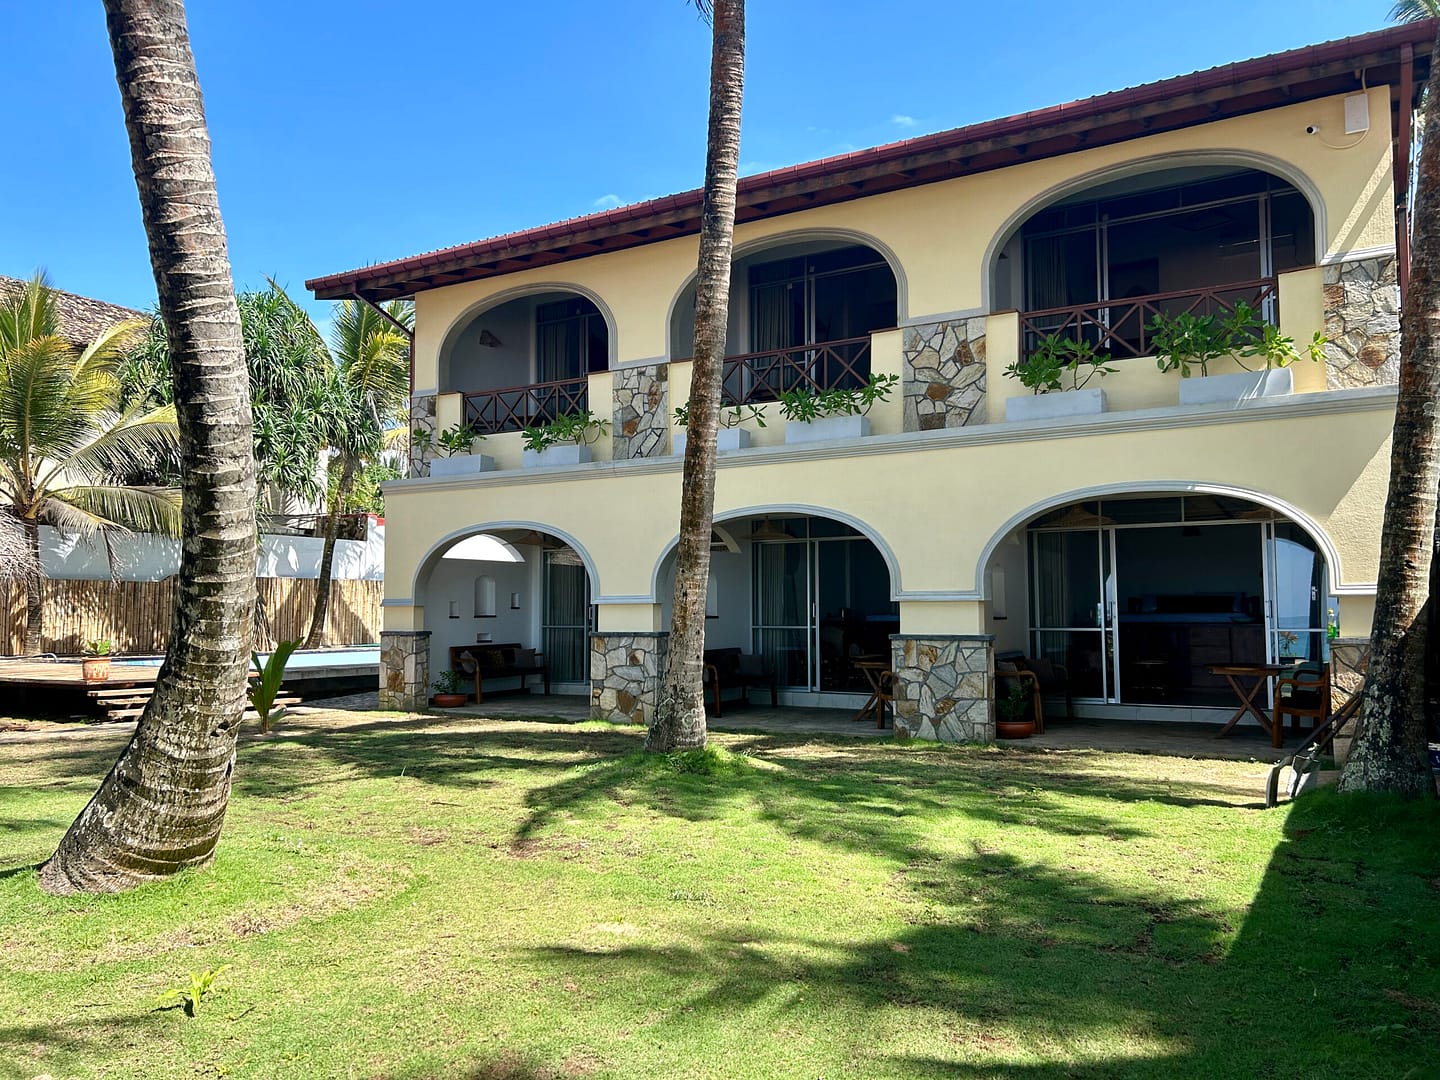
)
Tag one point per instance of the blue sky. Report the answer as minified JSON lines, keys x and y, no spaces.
{"x":353,"y":132}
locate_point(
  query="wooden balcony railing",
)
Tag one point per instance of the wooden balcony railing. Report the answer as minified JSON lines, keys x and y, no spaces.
{"x":1121,"y":328}
{"x":752,"y":378}
{"x":516,"y":407}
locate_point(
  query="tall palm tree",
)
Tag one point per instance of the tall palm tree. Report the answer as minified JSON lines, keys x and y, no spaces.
{"x":66,"y":444}
{"x":1389,"y":753}
{"x":161,"y":807}
{"x":679,"y":721}
{"x":369,"y":389}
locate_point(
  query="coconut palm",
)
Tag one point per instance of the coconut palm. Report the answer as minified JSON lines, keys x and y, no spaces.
{"x":1414,"y":10}
{"x":679,"y":721}
{"x":161,"y":808}
{"x":67,"y":446}
{"x":369,"y":391}
{"x":1389,"y":753}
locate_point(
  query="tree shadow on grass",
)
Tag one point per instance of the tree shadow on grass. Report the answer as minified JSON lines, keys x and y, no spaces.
{"x":1028,"y":970}
{"x":28,"y":1050}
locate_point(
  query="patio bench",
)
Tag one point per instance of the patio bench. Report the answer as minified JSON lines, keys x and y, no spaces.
{"x":730,"y":669}
{"x":509,"y":660}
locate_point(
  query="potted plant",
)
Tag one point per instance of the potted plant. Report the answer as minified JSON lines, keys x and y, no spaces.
{"x":1015,"y":712}
{"x":455,"y":444}
{"x":730,"y":436}
{"x":449,"y":690}
{"x":821,"y":416}
{"x":95,"y":667}
{"x":1053,"y":362}
{"x":1188,"y":343}
{"x":564,"y":441}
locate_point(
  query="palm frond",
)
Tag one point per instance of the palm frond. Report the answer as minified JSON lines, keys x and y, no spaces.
{"x":1414,"y":10}
{"x":86,"y":509}
{"x":33,"y":312}
{"x":126,"y":444}
{"x":38,"y":416}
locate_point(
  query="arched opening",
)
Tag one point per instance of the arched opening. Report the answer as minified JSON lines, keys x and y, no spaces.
{"x":1100,"y":262}
{"x":801,"y":315}
{"x":805,"y":595}
{"x":526,"y":359}
{"x":514,"y":589}
{"x":1137,"y":599}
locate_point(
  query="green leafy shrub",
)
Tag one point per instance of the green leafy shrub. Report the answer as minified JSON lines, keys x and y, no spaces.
{"x":1185,"y":341}
{"x":458,"y":438}
{"x":266,"y":687}
{"x":582,"y":428}
{"x":730,"y":415}
{"x":448,"y":682}
{"x":806,"y":406}
{"x":1053,"y":358}
{"x":202,"y":983}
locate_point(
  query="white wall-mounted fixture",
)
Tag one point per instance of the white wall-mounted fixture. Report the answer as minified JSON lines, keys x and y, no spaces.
{"x":997,"y":593}
{"x":484,"y":597}
{"x":454,"y":609}
{"x":514,"y":601}
{"x":1357,"y":114}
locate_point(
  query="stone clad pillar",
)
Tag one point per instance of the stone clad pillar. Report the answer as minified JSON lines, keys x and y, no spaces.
{"x":1362,"y":323}
{"x":943,"y":686}
{"x":641,"y":424}
{"x":404,"y":670}
{"x":1349,"y":660}
{"x":625,"y":670}
{"x":944,"y":374}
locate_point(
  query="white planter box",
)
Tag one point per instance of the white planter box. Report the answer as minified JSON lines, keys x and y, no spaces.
{"x":827,"y":429}
{"x":732,"y":438}
{"x":564,"y":454}
{"x":462,"y":465}
{"x":1055,"y":405}
{"x":1233,"y":389}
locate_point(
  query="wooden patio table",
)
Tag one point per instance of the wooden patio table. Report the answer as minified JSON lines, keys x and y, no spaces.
{"x":875,"y":671}
{"x":1259,"y":676}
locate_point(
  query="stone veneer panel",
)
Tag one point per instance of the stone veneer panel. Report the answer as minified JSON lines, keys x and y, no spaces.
{"x":1349,"y":660}
{"x":943,"y":687}
{"x":625,"y":670}
{"x":422,"y":416}
{"x":641,"y":422}
{"x":404,"y":669}
{"x":1362,"y":323}
{"x":944,"y":374}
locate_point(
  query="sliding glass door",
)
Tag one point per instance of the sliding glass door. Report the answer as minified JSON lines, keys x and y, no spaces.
{"x":565,"y":617}
{"x":1072,"y":621}
{"x":1298,"y":606}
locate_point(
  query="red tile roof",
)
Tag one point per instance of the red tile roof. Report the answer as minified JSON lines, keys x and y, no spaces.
{"x":1231,"y":89}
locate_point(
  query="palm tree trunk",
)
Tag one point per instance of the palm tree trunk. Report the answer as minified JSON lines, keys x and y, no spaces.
{"x":1389,"y":751}
{"x":313,"y":640}
{"x":679,"y":721}
{"x":34,"y":591}
{"x":161,"y":807}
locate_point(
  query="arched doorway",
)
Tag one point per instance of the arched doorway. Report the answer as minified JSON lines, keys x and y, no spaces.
{"x":1100,"y":262}
{"x":807,"y":593}
{"x":801,"y":314}
{"x":1137,"y":596}
{"x":510,"y":587}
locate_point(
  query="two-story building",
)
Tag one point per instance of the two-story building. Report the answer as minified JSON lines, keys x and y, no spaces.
{"x":1137,"y":546}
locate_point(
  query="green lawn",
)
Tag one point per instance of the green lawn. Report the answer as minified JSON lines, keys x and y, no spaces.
{"x":464,"y":898}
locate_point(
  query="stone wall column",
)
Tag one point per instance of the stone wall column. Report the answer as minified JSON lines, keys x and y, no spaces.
{"x":944,"y":686}
{"x":944,"y":374}
{"x":404,"y":670}
{"x":1362,"y":323}
{"x":625,"y":671}
{"x":1349,"y":660}
{"x":641,"y":424}
{"x":422,"y":417}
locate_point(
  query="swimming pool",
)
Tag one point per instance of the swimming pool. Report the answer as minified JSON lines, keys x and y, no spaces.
{"x":316,"y":660}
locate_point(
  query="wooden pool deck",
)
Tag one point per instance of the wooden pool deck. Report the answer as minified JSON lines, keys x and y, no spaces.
{"x":67,"y":673}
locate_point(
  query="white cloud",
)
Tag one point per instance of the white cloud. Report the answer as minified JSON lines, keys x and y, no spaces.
{"x":901,"y":120}
{"x":607,"y":202}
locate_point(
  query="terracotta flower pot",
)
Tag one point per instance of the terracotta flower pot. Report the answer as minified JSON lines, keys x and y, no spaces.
{"x":1014,"y":729}
{"x":448,"y":701}
{"x":95,"y":668}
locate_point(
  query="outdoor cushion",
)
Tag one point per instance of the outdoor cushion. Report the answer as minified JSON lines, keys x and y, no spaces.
{"x":524,"y":657}
{"x":752,"y":664}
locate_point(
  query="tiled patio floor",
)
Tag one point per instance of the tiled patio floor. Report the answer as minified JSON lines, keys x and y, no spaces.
{"x":1117,"y":736}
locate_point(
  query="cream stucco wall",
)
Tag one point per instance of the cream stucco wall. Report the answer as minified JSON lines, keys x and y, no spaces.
{"x":941,"y":237}
{"x":933,"y":501}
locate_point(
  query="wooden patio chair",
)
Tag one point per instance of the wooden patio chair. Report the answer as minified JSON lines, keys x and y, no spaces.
{"x":1305,"y":691}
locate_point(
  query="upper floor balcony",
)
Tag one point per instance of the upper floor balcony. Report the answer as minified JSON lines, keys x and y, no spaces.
{"x":821,"y":311}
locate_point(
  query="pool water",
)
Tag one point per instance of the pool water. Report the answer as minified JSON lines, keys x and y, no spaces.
{"x":359,"y":656}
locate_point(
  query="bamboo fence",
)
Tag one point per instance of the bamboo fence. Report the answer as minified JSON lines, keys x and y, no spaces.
{"x":134,"y":616}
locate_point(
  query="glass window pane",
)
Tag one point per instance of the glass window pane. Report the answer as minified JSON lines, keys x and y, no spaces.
{"x":1067,"y":579}
{"x":1082,"y":655}
{"x":1141,"y":511}
{"x":781,"y":594}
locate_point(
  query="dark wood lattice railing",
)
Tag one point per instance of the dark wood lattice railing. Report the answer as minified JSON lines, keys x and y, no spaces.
{"x":516,"y":407}
{"x":753,"y":378}
{"x":1121,"y":328}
